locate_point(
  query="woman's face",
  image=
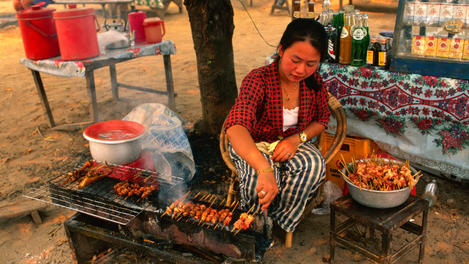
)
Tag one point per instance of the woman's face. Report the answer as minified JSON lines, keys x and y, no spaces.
{"x":298,"y":61}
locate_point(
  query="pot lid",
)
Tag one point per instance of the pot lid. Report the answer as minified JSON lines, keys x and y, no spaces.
{"x":114,"y":131}
{"x":36,"y":11}
{"x":152,"y":21}
{"x":73,"y":12}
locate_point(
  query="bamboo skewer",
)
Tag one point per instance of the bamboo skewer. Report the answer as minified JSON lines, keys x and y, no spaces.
{"x":252,"y":207}
{"x":236,"y":232}
{"x":234,"y":207}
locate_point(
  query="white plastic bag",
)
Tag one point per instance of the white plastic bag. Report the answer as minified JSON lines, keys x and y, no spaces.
{"x":166,"y":140}
{"x":331,"y":193}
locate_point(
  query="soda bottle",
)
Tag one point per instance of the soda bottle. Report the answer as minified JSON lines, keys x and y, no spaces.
{"x":310,"y":13}
{"x":366,"y":40}
{"x":430,"y":193}
{"x":388,"y":52}
{"x":345,"y":55}
{"x":296,"y":8}
{"x":358,"y":38}
{"x":332,"y":51}
{"x":382,"y":53}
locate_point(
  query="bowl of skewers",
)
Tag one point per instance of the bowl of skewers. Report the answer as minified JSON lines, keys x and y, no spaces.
{"x":379,"y":182}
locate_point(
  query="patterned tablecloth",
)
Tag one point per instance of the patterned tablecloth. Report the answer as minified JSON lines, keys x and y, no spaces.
{"x":420,"y":118}
{"x":59,"y":67}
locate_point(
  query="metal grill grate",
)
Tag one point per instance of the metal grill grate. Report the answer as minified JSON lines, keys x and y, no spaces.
{"x":99,"y":198}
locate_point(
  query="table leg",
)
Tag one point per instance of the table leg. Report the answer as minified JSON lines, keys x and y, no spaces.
{"x":424,"y":235}
{"x":114,"y":87}
{"x":386,"y":246}
{"x":42,"y":95}
{"x":169,"y":81}
{"x":90,"y":88}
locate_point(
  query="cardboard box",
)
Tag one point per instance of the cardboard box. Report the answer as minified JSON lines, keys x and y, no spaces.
{"x":353,"y":147}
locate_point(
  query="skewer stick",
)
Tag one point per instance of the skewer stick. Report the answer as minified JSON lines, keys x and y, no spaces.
{"x":196,"y":195}
{"x":213,"y":201}
{"x":252,"y":207}
{"x":233,"y":203}
{"x":206,"y":197}
{"x":221,"y":202}
{"x":257,"y":210}
{"x":185,"y":195}
{"x":163,"y":214}
{"x":237,"y":203}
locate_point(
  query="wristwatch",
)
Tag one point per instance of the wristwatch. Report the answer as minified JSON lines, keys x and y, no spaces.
{"x":303,"y":137}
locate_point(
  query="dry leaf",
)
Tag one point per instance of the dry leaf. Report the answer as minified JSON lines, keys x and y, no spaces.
{"x":4,"y":160}
{"x":28,"y":150}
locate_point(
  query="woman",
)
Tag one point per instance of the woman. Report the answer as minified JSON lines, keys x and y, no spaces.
{"x":284,"y":100}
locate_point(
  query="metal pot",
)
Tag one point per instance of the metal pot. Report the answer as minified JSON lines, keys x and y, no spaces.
{"x":115,"y":141}
{"x":378,"y":199}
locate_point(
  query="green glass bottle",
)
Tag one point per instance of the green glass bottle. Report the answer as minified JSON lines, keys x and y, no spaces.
{"x":358,"y":39}
{"x":366,"y":41}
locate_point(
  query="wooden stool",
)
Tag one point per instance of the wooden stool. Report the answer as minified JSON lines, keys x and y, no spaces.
{"x":386,"y":221}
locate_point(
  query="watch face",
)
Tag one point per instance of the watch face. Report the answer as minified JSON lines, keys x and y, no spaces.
{"x":303,"y":137}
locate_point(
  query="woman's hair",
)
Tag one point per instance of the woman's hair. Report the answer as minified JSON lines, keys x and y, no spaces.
{"x":306,"y":29}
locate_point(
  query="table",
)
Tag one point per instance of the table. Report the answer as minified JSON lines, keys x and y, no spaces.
{"x":122,"y":4}
{"x":85,"y":68}
{"x":423,"y":119}
{"x":385,"y":221}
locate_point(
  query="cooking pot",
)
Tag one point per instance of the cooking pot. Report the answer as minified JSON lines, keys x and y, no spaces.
{"x":115,"y":141}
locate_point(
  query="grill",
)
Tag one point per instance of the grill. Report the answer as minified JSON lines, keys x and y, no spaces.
{"x":99,"y":199}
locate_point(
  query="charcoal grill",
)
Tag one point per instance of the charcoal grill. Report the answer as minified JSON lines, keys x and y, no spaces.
{"x":128,"y":220}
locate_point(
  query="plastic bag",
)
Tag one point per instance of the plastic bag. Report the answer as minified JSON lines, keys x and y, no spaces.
{"x":166,"y":140}
{"x":112,"y":39}
{"x":331,"y":193}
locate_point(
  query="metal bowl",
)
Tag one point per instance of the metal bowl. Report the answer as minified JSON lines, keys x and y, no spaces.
{"x":378,"y":199}
{"x":115,"y":141}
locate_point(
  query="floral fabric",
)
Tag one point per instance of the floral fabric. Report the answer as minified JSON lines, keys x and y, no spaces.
{"x":411,"y":109}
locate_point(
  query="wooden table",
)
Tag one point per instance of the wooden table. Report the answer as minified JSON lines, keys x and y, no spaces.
{"x":85,"y":68}
{"x":384,"y":221}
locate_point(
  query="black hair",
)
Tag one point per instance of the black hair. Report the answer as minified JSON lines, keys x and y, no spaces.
{"x":306,"y":29}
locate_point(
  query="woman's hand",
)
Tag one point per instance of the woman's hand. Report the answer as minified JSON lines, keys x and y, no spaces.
{"x":286,"y":148}
{"x":266,"y":188}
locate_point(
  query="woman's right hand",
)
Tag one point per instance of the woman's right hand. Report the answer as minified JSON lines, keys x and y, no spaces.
{"x":266,"y":188}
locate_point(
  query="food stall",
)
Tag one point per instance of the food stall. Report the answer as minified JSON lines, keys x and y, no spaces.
{"x":419,"y":109}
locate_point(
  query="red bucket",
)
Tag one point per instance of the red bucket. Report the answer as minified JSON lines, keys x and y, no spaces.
{"x":136,"y":25}
{"x":38,"y":33}
{"x":76,"y":31}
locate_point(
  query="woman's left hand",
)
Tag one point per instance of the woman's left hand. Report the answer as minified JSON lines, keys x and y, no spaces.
{"x":285,"y":149}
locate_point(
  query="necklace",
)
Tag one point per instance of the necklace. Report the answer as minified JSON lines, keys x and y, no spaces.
{"x":287,"y":97}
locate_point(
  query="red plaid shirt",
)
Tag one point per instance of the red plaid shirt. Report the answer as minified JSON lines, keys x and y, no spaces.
{"x":259,"y":105}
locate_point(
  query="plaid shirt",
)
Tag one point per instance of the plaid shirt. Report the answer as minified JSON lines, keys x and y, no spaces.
{"x":259,"y":105}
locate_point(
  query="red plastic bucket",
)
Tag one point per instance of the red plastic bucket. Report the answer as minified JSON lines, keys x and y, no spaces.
{"x":38,"y":33}
{"x":76,"y":31}
{"x":154,"y":30}
{"x":136,"y":25}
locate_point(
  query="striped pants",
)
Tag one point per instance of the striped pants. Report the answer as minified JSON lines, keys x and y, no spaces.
{"x":297,"y":179}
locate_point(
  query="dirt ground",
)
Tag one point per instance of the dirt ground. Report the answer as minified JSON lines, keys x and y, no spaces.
{"x":30,"y":151}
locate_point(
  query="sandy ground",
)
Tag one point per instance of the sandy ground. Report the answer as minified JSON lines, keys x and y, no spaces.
{"x":30,"y":151}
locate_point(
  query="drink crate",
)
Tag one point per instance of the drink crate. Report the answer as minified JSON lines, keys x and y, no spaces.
{"x":353,"y":147}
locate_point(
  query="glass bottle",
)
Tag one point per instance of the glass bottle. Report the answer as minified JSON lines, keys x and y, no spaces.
{"x":296,"y":7}
{"x":332,"y":51}
{"x":310,"y":13}
{"x":372,"y":53}
{"x":358,"y":38}
{"x":345,"y":55}
{"x":430,"y":193}
{"x":366,"y":40}
{"x":382,"y":53}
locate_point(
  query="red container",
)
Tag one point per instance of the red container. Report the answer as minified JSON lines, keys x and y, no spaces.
{"x":76,"y":31}
{"x":38,"y":33}
{"x":136,"y":25}
{"x":154,"y":29}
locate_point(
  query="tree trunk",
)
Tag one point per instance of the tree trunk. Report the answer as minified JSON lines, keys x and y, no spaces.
{"x":212,"y":31}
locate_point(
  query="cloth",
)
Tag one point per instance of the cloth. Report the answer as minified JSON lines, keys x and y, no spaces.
{"x":290,"y":118}
{"x":259,"y":105}
{"x":297,"y":179}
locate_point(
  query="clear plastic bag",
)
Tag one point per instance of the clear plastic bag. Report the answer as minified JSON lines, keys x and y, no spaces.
{"x":166,"y":140}
{"x":331,"y":193}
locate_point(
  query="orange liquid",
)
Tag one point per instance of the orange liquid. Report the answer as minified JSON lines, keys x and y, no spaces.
{"x":345,"y":55}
